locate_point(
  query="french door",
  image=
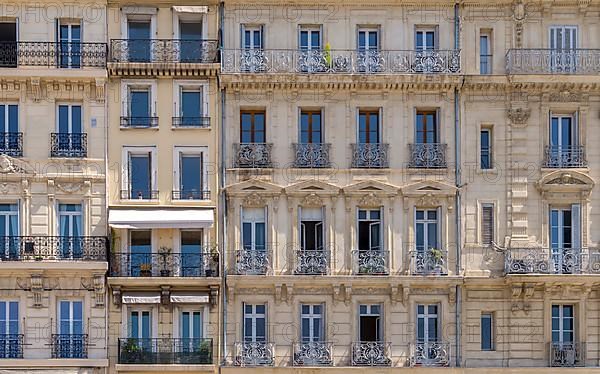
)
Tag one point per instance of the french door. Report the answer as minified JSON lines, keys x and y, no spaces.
{"x":71,"y":340}
{"x":140,"y":329}
{"x":428,"y":329}
{"x":9,"y":231}
{"x":563,"y":45}
{"x":565,"y":239}
{"x":190,"y":330}
{"x":70,"y":45}
{"x":312,"y":323}
{"x":70,"y":229}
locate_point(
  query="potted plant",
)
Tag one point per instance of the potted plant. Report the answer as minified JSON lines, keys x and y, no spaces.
{"x":438,"y":258}
{"x":212,"y":268}
{"x":327,"y":55}
{"x":165,"y":253}
{"x":204,"y":351}
{"x":131,"y":351}
{"x":145,"y":270}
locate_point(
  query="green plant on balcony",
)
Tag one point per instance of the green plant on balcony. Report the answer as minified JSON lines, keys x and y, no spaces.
{"x":204,"y":351}
{"x":327,"y":55}
{"x":437,"y":255}
{"x":212,"y":268}
{"x":145,"y":270}
{"x":165,"y":259}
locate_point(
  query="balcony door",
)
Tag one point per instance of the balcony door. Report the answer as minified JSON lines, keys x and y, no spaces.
{"x":8,"y":44}
{"x":311,"y":323}
{"x":70,"y":128}
{"x":253,"y":229}
{"x":190,"y":39}
{"x":368,"y":127}
{"x":140,"y":176}
{"x":190,"y":330}
{"x":425,"y":40}
{"x":563,"y":324}
{"x":428,"y":329}
{"x":252,"y":128}
{"x":369,"y":230}
{"x":192,"y":261}
{"x":11,"y":345}
{"x":369,"y":323}
{"x":71,"y":341}
{"x":140,"y":107}
{"x":369,"y":57}
{"x":69,"y":36}
{"x":565,"y":238}
{"x":191,"y":176}
{"x":563,"y":140}
{"x":70,"y":229}
{"x":310,"y":56}
{"x":9,"y":230}
{"x":426,"y":128}
{"x":140,"y":328}
{"x":310,"y":127}
{"x":139,"y":39}
{"x":252,"y":58}
{"x":311,"y":229}
{"x":191,"y":107}
{"x":9,"y":128}
{"x":255,"y":326}
{"x":140,"y":252}
{"x":426,"y":230}
{"x":563,"y":44}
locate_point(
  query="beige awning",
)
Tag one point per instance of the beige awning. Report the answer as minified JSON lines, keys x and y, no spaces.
{"x":190,"y":298}
{"x":191,"y":9}
{"x":161,"y":218}
{"x":141,"y":298}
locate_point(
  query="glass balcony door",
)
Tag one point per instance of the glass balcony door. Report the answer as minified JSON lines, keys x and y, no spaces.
{"x":368,"y":127}
{"x":192,"y":261}
{"x":140,"y":330}
{"x":70,"y":128}
{"x":190,"y":39}
{"x":427,"y":230}
{"x":191,"y":107}
{"x":70,"y":228}
{"x":310,"y":127}
{"x":139,"y":35}
{"x":140,"y":252}
{"x":70,"y":45}
{"x":191,"y":330}
{"x":253,"y":229}
{"x":253,"y":127}
{"x":190,"y":176}
{"x":426,"y":127}
{"x":71,"y":341}
{"x":9,"y":126}
{"x":565,"y":239}
{"x":8,"y":44}
{"x":312,"y":323}
{"x":140,"y":176}
{"x":10,"y":343}
{"x":9,"y":228}
{"x":563,"y":45}
{"x":140,"y":107}
{"x":255,"y":323}
{"x":428,"y":329}
{"x":370,"y":327}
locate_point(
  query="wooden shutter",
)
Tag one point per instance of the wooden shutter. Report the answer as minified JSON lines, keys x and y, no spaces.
{"x":487,"y":224}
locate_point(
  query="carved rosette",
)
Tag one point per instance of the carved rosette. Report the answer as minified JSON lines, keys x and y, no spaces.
{"x":518,"y":116}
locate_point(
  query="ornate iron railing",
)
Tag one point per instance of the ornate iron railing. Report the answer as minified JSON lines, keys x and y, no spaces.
{"x":11,"y":144}
{"x":11,"y":345}
{"x":430,"y":354}
{"x":545,"y":261}
{"x":52,"y":54}
{"x":371,"y":354}
{"x":565,"y":157}
{"x":68,"y":145}
{"x":431,"y":261}
{"x":38,"y":248}
{"x":567,"y":354}
{"x":190,"y":195}
{"x":312,"y":262}
{"x":191,"y":122}
{"x":69,"y":345}
{"x":370,"y":155}
{"x":313,"y":354}
{"x":205,"y":263}
{"x":254,"y":354}
{"x":165,"y":350}
{"x":311,"y":155}
{"x":371,"y":262}
{"x":252,"y":155}
{"x":139,"y":194}
{"x":553,"y":61}
{"x":164,"y":50}
{"x":139,"y":122}
{"x":252,"y":261}
{"x":427,"y":155}
{"x":340,"y":61}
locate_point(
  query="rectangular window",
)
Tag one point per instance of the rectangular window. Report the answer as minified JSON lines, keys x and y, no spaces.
{"x":140,"y":326}
{"x":485,"y":143}
{"x":311,"y":229}
{"x":565,"y":238}
{"x":427,"y":323}
{"x":368,"y":126}
{"x":427,"y":230}
{"x":190,"y":33}
{"x":426,"y":127}
{"x":425,"y":39}
{"x":190,"y":329}
{"x":9,"y":228}
{"x":70,"y":228}
{"x":485,"y":52}
{"x":191,"y":107}
{"x":487,"y":331}
{"x":310,"y":38}
{"x":139,"y":39}
{"x":191,"y":175}
{"x":252,"y":37}
{"x":140,"y":175}
{"x":8,"y":38}
{"x":487,"y":224}
{"x":140,"y":252}
{"x":312,"y":318}
{"x":369,"y":230}
{"x":255,"y":322}
{"x":370,"y":326}
{"x":192,"y":255}
{"x":70,"y":342}
{"x":310,"y":127}
{"x":563,"y":45}
{"x":9,"y":118}
{"x":11,"y":346}
{"x":563,"y":324}
{"x":69,"y":119}
{"x":368,"y":39}
{"x":253,"y":229}
{"x":69,"y":53}
{"x":252,"y":129}
{"x":140,"y":107}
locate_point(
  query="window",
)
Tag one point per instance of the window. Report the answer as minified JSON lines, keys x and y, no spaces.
{"x":368,"y":126}
{"x":563,"y":324}
{"x":70,"y":341}
{"x":563,"y":43}
{"x":252,"y":37}
{"x":190,"y":36}
{"x":368,"y":39}
{"x":487,"y":224}
{"x":140,"y":252}
{"x":565,"y":238}
{"x":69,"y":35}
{"x":192,"y":255}
{"x":485,"y":144}
{"x":139,"y":108}
{"x":253,"y":229}
{"x":427,"y":230}
{"x":140,"y":174}
{"x":255,"y":323}
{"x":369,"y":58}
{"x":311,"y":229}
{"x":369,"y":230}
{"x":428,"y":331}
{"x":190,"y":330}
{"x":189,"y":174}
{"x":487,"y":331}
{"x":310,"y":127}
{"x":427,"y":127}
{"x":191,"y":107}
{"x":69,"y":119}
{"x":139,"y":40}
{"x":310,"y":38}
{"x":9,"y":228}
{"x":485,"y":52}
{"x":426,"y":39}
{"x":369,"y":325}
{"x":9,"y":118}
{"x":312,"y":323}
{"x":8,"y":43}
{"x":11,"y":346}
{"x":252,"y":127}
{"x":70,"y":228}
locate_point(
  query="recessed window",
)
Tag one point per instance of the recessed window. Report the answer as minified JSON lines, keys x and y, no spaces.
{"x":139,"y":178}
{"x":189,"y":172}
{"x":485,"y":52}
{"x":487,"y":331}
{"x":252,"y":128}
{"x":485,"y":148}
{"x":255,"y":323}
{"x":487,"y":224}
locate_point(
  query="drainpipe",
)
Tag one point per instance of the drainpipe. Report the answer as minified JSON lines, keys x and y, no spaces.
{"x":222,"y":202}
{"x":457,"y":209}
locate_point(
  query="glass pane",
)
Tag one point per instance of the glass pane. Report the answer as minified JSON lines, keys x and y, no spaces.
{"x":260,"y":236}
{"x":63,"y":119}
{"x":140,"y":176}
{"x":133,"y":325}
{"x":247,"y":235}
{"x":145,"y":324}
{"x":191,"y":175}
{"x":303,"y":39}
{"x":421,"y":329}
{"x":191,"y":253}
{"x":76,"y":119}
{"x":190,"y":30}
{"x":191,"y":105}
{"x":305,"y":329}
{"x":139,"y":104}
{"x":13,"y":118}
{"x":260,"y":328}
{"x":197,"y":321}
{"x":315,"y":40}
{"x":260,"y":309}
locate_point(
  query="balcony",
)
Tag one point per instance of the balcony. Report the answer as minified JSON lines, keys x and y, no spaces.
{"x":311,"y":155}
{"x":311,"y":262}
{"x":371,"y":262}
{"x":52,"y":54}
{"x":371,"y":354}
{"x":431,"y":261}
{"x":11,"y":345}
{"x":252,"y":155}
{"x":567,"y":354}
{"x":69,"y":145}
{"x":204,"y":264}
{"x":190,"y":195}
{"x":11,"y":143}
{"x":69,"y":345}
{"x":313,"y":354}
{"x":139,"y":194}
{"x":430,"y":354}
{"x":40,"y":248}
{"x":370,"y":155}
{"x":557,"y":261}
{"x":201,"y":51}
{"x":553,"y":61}
{"x":340,"y":61}
{"x":166,"y":351}
{"x":190,"y":122}
{"x":427,"y":155}
{"x":558,"y":157}
{"x":254,"y":354}
{"x":128,"y":122}
{"x":252,"y":261}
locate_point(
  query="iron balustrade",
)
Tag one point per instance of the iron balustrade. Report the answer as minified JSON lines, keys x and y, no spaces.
{"x":319,"y":61}
{"x":371,"y":262}
{"x":69,"y":345}
{"x":11,"y":345}
{"x":81,"y":248}
{"x":311,"y":155}
{"x":11,"y":144}
{"x":311,"y":262}
{"x":167,"y":264}
{"x":166,"y":351}
{"x":190,"y":195}
{"x":252,"y":261}
{"x":430,"y":261}
{"x":52,"y":54}
{"x":313,"y":354}
{"x":139,"y":194}
{"x":254,"y":354}
{"x":370,"y":155}
{"x":139,"y":122}
{"x":430,"y":354}
{"x":565,"y":157}
{"x":71,"y":145}
{"x":551,"y":261}
{"x":252,"y":155}
{"x":567,"y":354}
{"x":164,"y":50}
{"x":427,"y":155}
{"x":371,"y":354}
{"x":190,"y":122}
{"x":553,"y":61}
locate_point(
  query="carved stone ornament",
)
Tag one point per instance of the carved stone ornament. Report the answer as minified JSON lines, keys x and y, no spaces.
{"x":519,"y":116}
{"x":100,"y":83}
{"x":36,"y":88}
{"x":8,"y":165}
{"x":369,"y":200}
{"x":565,"y":96}
{"x":565,"y":179}
{"x":428,"y":201}
{"x":96,"y":285}
{"x":254,"y":200}
{"x":312,"y":200}
{"x":70,"y":187}
{"x":35,"y":284}
{"x":214,"y":296}
{"x":7,"y":188}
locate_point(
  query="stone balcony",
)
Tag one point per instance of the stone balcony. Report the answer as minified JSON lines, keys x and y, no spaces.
{"x":544,"y":261}
{"x":553,"y":61}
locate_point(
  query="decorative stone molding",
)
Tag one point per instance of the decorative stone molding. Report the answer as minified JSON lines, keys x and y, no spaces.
{"x":37,"y":287}
{"x":369,"y":201}
{"x":254,"y":200}
{"x":312,"y":200}
{"x":36,"y":88}
{"x":9,"y":188}
{"x":518,"y":115}
{"x":165,"y":293}
{"x":213,"y":296}
{"x":70,"y":187}
{"x":9,"y":165}
{"x":100,"y":84}
{"x":452,"y":295}
{"x":95,"y":284}
{"x":399,"y":294}
{"x":116,"y":294}
{"x":565,"y":96}
{"x":283,"y":293}
{"x":428,"y":201}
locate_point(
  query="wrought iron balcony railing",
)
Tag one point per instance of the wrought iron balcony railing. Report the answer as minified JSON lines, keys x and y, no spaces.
{"x":427,"y":155}
{"x":311,"y":155}
{"x":313,"y":354}
{"x":52,"y":54}
{"x":371,"y":262}
{"x":431,"y":261}
{"x":370,"y":155}
{"x":254,"y":354}
{"x":252,"y":261}
{"x":166,"y":351}
{"x":371,"y":354}
{"x":430,"y":354}
{"x":39,"y":248}
{"x":191,"y":122}
{"x":139,"y":194}
{"x":553,"y":261}
{"x":11,"y":345}
{"x":567,"y":354}
{"x":68,"y":145}
{"x":553,"y":61}
{"x":252,"y":155}
{"x":565,"y":157}
{"x":69,"y":345}
{"x":11,"y":144}
{"x":340,"y":61}
{"x":164,"y":50}
{"x":130,"y":122}
{"x":205,"y":263}
{"x":312,"y":262}
{"x":190,"y":195}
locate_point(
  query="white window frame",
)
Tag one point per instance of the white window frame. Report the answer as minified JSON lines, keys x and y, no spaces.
{"x":311,"y":317}
{"x":370,"y":313}
{"x":574,"y":127}
{"x":178,"y":151}
{"x":6,"y":104}
{"x":140,"y":308}
{"x":202,"y":86}
{"x":71,"y":214}
{"x":70,"y":116}
{"x":426,"y":316}
{"x":253,"y":222}
{"x":424,"y":30}
{"x":564,"y":27}
{"x":310,"y":29}
{"x":255,"y":28}
{"x":179,"y":17}
{"x":128,"y":84}
{"x":561,"y":318}
{"x":7,"y":313}
{"x":368,"y":29}
{"x":254,"y":316}
{"x":137,"y":13}
{"x":381,"y":228}
{"x":178,"y":323}
{"x":425,"y":221}
{"x":71,"y":320}
{"x":127,"y":150}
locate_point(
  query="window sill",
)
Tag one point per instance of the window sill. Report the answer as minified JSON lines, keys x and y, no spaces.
{"x":195,"y":128}
{"x":126,"y":128}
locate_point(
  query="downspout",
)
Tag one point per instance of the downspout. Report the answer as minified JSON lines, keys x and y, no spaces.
{"x":106,"y":193}
{"x":222,"y":202}
{"x":457,"y":177}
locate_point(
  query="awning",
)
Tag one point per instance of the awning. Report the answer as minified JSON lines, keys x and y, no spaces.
{"x":191,"y":9}
{"x":190,"y":298}
{"x":161,"y":218}
{"x":141,"y":298}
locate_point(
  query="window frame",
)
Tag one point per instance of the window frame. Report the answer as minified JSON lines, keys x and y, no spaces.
{"x":490,"y":151}
{"x":368,"y":112}
{"x":311,"y":318}
{"x":127,"y":151}
{"x":179,"y":86}
{"x":128,"y":84}
{"x":201,"y":151}
{"x":492,"y":332}
{"x":254,"y":316}
{"x":253,"y":131}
